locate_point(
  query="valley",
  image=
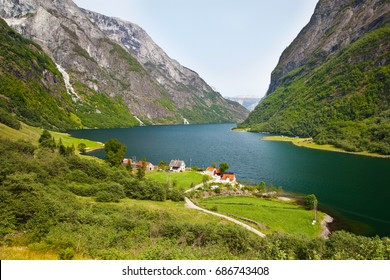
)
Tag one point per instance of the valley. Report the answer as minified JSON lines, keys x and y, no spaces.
{"x":109,"y":147}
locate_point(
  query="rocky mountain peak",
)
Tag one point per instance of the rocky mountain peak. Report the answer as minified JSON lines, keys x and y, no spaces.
{"x":105,"y":56}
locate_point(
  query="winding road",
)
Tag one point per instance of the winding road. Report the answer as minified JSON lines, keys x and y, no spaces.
{"x":191,"y":205}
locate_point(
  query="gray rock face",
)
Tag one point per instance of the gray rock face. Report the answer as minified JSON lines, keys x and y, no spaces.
{"x":334,"y":25}
{"x":102,"y":61}
{"x":184,"y":85}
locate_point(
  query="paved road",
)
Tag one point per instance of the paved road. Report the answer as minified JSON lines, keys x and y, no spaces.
{"x":191,"y":205}
{"x":198,"y":186}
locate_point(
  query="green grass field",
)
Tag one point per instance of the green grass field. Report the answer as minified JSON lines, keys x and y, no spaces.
{"x":277,"y":215}
{"x":309,"y":143}
{"x":32,"y":134}
{"x":176,"y":210}
{"x":183,"y":179}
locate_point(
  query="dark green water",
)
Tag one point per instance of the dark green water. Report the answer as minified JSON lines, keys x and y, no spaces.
{"x":355,"y":189}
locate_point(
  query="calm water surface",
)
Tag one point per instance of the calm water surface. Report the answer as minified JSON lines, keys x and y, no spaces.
{"x":354,"y":188}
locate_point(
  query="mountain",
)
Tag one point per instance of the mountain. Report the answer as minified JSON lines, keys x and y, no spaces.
{"x":332,"y":83}
{"x":31,"y":86}
{"x":108,"y":86}
{"x":249,"y":103}
{"x":195,"y":100}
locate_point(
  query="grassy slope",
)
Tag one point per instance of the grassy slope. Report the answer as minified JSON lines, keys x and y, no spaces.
{"x":275,"y":214}
{"x":309,"y":143}
{"x":32,"y":134}
{"x":183,"y":179}
{"x":174,"y":210}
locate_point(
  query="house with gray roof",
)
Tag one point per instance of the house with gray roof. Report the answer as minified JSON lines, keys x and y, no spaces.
{"x":177,"y":165}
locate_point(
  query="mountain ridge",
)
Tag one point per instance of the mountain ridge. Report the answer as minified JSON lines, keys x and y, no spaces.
{"x":185,"y":86}
{"x":331,"y":85}
{"x":102,"y":73}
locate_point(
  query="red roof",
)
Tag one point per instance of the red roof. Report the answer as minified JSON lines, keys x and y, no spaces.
{"x":231,"y":177}
{"x":139,"y":164}
{"x":211,"y":169}
{"x":127,"y":161}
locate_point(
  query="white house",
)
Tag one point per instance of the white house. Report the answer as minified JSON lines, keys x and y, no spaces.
{"x":210,"y":171}
{"x":229,"y":178}
{"x":177,"y":165}
{"x":148,"y":165}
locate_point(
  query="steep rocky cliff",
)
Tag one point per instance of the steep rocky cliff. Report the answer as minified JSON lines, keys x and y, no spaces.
{"x":101,"y":75}
{"x":332,"y":83}
{"x":193,"y":97}
{"x":334,"y":25}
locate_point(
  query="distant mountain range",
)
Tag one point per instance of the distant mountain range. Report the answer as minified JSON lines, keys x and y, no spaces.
{"x":249,"y":103}
{"x":333,"y":82}
{"x":96,"y":71}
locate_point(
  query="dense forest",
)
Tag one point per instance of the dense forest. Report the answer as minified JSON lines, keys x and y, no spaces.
{"x":75,"y":208}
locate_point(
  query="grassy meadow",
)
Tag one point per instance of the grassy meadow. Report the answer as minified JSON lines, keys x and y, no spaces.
{"x":183,"y":179}
{"x":309,"y":143}
{"x":276,"y":215}
{"x":32,"y":134}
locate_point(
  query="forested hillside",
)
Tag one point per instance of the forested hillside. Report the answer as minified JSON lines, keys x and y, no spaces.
{"x":32,"y":90}
{"x":335,"y":88}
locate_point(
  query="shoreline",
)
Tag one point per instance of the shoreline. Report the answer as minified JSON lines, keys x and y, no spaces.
{"x":95,"y":148}
{"x":325,"y":230}
{"x":310,"y":144}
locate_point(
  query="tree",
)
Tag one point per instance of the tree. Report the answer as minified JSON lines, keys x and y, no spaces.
{"x":261,"y":187}
{"x":223,"y":166}
{"x":44,"y":136}
{"x":310,"y":201}
{"x":115,"y":152}
{"x":47,"y":141}
{"x":61,"y":148}
{"x":82,"y":148}
{"x":129,"y":167}
{"x":214,"y":165}
{"x":141,"y":170}
{"x":163,"y":165}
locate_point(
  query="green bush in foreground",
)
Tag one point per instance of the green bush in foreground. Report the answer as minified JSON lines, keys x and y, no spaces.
{"x":41,"y":209}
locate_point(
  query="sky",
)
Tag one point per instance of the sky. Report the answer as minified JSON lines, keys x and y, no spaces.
{"x":234,"y":45}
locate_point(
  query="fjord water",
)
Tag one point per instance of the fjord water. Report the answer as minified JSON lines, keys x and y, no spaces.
{"x":356,"y":189}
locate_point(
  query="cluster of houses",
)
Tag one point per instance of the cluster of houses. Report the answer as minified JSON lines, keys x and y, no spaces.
{"x":175,"y":165}
{"x":219,"y":177}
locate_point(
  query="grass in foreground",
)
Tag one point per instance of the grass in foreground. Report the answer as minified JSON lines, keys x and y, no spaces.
{"x":183,"y":179}
{"x":309,"y":143}
{"x":284,"y":216}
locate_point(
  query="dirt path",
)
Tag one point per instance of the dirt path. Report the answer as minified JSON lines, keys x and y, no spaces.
{"x":191,"y":205}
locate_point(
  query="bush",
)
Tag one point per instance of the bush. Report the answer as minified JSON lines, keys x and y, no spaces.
{"x":175,"y":194}
{"x":9,"y":120}
{"x":105,"y":196}
{"x":66,"y":254}
{"x":310,"y":201}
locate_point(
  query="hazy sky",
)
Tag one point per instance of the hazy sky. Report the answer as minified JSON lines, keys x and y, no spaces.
{"x":233,"y":44}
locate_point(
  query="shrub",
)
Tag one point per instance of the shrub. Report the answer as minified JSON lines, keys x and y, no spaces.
{"x":105,"y":196}
{"x":66,"y":254}
{"x":310,"y":201}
